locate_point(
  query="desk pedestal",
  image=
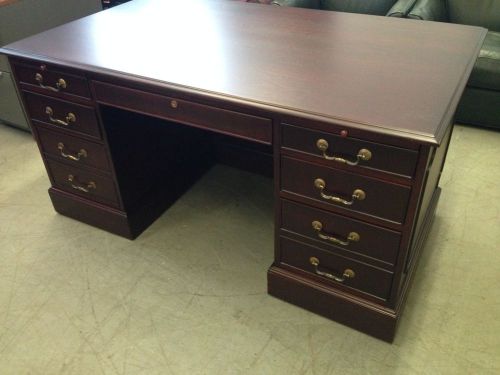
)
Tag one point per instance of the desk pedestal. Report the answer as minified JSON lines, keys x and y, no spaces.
{"x":353,"y":207}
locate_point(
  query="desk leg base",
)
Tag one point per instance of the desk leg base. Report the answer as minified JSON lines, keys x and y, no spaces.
{"x":92,"y":213}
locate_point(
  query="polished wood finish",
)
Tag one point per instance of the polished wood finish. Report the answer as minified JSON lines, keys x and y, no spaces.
{"x":224,"y":60}
{"x":199,"y":82}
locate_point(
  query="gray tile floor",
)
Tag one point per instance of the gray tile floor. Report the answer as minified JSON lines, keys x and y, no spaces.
{"x":189,"y":295}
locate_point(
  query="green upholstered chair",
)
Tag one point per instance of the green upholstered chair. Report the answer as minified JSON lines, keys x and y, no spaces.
{"x":393,"y":8}
{"x":480,"y":104}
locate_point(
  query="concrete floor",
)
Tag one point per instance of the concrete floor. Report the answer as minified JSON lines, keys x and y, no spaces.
{"x":189,"y":295}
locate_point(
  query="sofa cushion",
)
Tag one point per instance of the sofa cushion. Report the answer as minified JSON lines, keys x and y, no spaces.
{"x":377,"y":7}
{"x":486,"y":72}
{"x":485,"y":13}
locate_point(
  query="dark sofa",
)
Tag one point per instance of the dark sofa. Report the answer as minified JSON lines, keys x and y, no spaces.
{"x":393,"y":8}
{"x":480,"y":104}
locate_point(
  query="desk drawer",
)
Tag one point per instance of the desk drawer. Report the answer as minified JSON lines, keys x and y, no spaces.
{"x":219,"y":120}
{"x":381,"y":157}
{"x":86,"y":184}
{"x":72,"y":149}
{"x":52,"y":79}
{"x":340,"y":189}
{"x":62,"y":114}
{"x":339,"y":232}
{"x":336,"y":270}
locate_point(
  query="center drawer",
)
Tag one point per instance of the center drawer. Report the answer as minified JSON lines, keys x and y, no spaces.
{"x":236,"y":124}
{"x":339,"y":232}
{"x":337,"y":189}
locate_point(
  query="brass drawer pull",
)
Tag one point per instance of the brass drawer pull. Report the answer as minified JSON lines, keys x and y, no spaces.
{"x":363,"y":154}
{"x":60,"y":84}
{"x":81,"y":153}
{"x":351,"y":237}
{"x":70,"y":117}
{"x":347,"y":274}
{"x":357,"y":194}
{"x":82,"y":187}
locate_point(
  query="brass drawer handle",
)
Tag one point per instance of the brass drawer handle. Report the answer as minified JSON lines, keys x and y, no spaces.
{"x":347,"y":274}
{"x":82,"y":187}
{"x":351,"y":237}
{"x":70,"y":117}
{"x":60,"y":84}
{"x":357,"y":194}
{"x":363,"y":154}
{"x":79,"y":155}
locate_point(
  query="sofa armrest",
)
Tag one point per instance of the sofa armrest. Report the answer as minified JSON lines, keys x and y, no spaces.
{"x":401,"y":8}
{"x":429,"y":10}
{"x":312,"y":4}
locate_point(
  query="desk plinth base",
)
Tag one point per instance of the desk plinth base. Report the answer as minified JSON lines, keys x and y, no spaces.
{"x":97,"y":215}
{"x":329,"y":303}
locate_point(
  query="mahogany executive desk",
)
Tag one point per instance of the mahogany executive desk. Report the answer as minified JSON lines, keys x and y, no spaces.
{"x":352,"y":113}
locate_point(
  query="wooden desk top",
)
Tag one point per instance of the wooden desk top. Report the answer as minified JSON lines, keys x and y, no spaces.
{"x":394,"y":76}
